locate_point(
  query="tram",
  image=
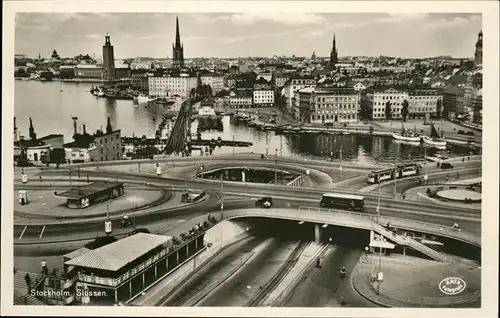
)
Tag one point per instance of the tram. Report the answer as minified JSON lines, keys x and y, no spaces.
{"x":401,"y":171}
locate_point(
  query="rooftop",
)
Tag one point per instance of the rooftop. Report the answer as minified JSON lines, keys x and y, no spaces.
{"x":88,"y":189}
{"x":115,"y":256}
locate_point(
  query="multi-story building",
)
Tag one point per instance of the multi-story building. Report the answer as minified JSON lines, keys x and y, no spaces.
{"x":293,"y":85}
{"x":101,"y":146}
{"x":477,"y":107}
{"x":89,"y":71}
{"x":139,"y":80}
{"x":378,"y":98}
{"x":216,"y":82}
{"x":263,"y":98}
{"x":328,"y":105}
{"x":171,"y":86}
{"x":453,"y":100}
{"x":422,"y":102}
{"x":280,"y":80}
{"x":67,"y":71}
{"x":240,"y":102}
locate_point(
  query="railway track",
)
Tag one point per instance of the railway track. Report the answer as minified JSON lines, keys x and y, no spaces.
{"x":176,"y":140}
{"x":261,"y":295}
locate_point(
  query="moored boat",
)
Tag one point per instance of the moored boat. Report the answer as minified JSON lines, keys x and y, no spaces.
{"x":406,"y":136}
{"x":434,"y":140}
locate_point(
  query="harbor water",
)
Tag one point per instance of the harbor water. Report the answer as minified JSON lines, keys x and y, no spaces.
{"x":51,"y":105}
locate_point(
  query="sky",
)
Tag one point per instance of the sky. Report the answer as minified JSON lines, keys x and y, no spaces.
{"x":249,"y":34}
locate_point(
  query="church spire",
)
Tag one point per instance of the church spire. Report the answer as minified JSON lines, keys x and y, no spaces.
{"x":177,"y":34}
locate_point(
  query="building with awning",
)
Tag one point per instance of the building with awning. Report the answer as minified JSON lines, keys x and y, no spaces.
{"x":118,"y":271}
{"x":89,"y":194}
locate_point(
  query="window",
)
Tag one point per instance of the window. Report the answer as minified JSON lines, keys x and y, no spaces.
{"x":105,"y":140}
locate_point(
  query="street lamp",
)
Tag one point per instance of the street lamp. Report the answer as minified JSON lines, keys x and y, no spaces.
{"x":21,"y":139}
{"x":233,"y":152}
{"x":276,"y":166}
{"x":379,"y":273}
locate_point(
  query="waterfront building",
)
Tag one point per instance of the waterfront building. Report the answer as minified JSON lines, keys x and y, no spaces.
{"x":67,"y":71}
{"x":478,"y":54}
{"x":177,"y":48}
{"x":328,"y":105}
{"x":89,"y":71}
{"x":171,"y":86}
{"x":139,"y":80}
{"x":423,"y":101}
{"x":294,"y":84}
{"x":101,"y":146}
{"x":263,"y":98}
{"x":377,"y":98}
{"x":108,"y":59}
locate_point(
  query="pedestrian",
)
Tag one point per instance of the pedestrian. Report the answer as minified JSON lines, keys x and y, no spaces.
{"x":404,"y":196}
{"x":27,"y":279}
{"x":44,"y":267}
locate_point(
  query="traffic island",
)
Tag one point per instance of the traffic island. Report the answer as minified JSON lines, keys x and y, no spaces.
{"x":251,"y":174}
{"x":414,"y":282}
{"x":44,"y":204}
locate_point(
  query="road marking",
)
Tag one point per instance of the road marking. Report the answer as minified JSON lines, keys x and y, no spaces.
{"x":22,"y":233}
{"x":41,"y":233}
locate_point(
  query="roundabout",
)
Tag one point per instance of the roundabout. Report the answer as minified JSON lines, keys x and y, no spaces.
{"x":459,"y":195}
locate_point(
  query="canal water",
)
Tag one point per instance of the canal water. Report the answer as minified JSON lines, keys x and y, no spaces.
{"x":51,"y":105}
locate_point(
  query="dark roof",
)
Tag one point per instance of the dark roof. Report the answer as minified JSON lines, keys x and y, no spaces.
{"x":114,"y":256}
{"x":51,"y":136}
{"x":30,"y":143}
{"x":88,"y":189}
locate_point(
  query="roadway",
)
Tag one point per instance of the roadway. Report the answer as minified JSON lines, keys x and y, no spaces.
{"x":323,"y":287}
{"x":295,"y":197}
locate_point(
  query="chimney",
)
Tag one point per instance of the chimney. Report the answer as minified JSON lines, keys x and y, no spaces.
{"x":15,"y":130}
{"x":74,"y":126}
{"x":84,"y":130}
{"x":32,"y":130}
{"x":108,"y":126}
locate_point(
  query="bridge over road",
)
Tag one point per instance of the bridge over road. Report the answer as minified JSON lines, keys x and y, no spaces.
{"x":363,"y":221}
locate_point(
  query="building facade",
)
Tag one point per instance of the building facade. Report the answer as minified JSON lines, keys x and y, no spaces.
{"x":139,"y":80}
{"x":263,"y":98}
{"x":108,"y":59}
{"x":293,"y":85}
{"x":378,"y":98}
{"x":424,"y":101}
{"x":171,"y":86}
{"x":240,"y":102}
{"x":214,"y":81}
{"x":106,"y":147}
{"x":328,"y":105}
{"x":89,"y":71}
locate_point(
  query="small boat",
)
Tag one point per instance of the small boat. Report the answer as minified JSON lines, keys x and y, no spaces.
{"x":407,"y":136}
{"x":434,"y":140}
{"x":141,"y":98}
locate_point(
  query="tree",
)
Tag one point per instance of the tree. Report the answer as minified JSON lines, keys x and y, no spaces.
{"x":388,"y":110}
{"x":439,"y":107}
{"x":404,"y":110}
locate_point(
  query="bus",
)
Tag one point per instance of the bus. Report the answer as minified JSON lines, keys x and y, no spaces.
{"x":401,"y":171}
{"x":339,"y":200}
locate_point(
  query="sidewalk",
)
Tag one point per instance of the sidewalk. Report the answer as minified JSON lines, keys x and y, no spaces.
{"x":415,"y":283}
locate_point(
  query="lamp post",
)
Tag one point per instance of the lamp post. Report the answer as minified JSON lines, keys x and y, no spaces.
{"x":380,"y":248}
{"x":221,"y":196}
{"x":425,"y":164}
{"x":276,"y":166}
{"x":21,"y":139}
{"x":395,"y":175}
{"x":267,"y":143}
{"x":340,"y":157}
{"x":234,"y":163}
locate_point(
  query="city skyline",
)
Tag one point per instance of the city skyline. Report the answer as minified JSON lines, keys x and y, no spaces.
{"x":239,"y":34}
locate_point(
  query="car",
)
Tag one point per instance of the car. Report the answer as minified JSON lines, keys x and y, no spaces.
{"x":266,"y":202}
{"x":140,"y":230}
{"x":470,"y":133}
{"x":446,"y":165}
{"x":461,"y":132}
{"x":100,"y":242}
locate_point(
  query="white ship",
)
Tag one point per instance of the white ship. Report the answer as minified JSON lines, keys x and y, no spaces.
{"x":144,"y":98}
{"x":435,"y":140}
{"x":407,"y":136}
